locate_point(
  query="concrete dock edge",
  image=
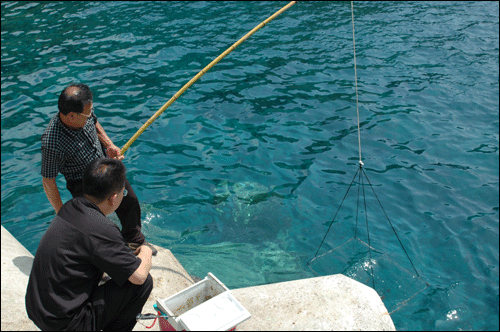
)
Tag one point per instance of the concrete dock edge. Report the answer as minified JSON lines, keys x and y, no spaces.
{"x":16,"y":267}
{"x":324,"y":303}
{"x":329,"y":303}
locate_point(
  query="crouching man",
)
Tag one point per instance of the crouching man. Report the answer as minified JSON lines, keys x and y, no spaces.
{"x":80,"y":244}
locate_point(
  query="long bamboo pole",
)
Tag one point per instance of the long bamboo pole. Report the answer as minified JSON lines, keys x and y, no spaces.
{"x":201,"y":73}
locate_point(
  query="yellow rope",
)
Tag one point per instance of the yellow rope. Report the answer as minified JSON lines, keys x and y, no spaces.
{"x":203,"y":71}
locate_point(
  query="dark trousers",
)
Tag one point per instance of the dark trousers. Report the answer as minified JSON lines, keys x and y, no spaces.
{"x":114,"y":308}
{"x":129,"y":211}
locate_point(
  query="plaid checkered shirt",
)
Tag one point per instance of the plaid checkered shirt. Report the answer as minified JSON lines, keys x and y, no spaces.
{"x":69,"y":151}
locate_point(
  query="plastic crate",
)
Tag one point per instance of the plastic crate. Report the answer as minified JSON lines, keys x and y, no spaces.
{"x":206,"y":305}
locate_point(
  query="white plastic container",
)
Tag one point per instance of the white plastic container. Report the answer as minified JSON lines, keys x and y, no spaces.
{"x":207,"y":305}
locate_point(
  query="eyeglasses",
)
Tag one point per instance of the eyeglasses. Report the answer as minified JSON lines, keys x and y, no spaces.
{"x":88,"y":116}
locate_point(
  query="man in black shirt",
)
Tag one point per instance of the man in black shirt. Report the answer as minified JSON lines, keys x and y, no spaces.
{"x":80,"y":244}
{"x":72,"y":140}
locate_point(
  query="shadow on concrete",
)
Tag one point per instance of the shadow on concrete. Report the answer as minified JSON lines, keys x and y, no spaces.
{"x":23,"y":263}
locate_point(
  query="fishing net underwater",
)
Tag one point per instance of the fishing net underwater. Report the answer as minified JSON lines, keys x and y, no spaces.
{"x":393,"y":277}
{"x":395,"y":284}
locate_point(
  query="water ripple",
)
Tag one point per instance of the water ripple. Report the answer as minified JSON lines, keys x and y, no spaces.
{"x":252,"y":161}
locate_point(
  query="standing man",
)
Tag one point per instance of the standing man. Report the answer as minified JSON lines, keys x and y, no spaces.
{"x":79,"y":245}
{"x":72,"y":140}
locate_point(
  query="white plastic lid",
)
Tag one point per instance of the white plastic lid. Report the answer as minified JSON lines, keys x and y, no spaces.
{"x":220,"y":313}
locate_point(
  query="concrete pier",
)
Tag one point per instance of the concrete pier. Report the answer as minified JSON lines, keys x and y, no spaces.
{"x":325,"y":303}
{"x":16,"y":267}
{"x":330,"y":303}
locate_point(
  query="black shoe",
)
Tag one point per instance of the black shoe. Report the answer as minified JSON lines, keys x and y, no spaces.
{"x":137,"y":245}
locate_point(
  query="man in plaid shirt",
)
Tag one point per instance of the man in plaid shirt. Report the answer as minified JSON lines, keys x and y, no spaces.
{"x":72,"y":140}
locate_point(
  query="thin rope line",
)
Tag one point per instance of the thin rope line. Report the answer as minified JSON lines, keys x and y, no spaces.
{"x":357,"y":206}
{"x":390,"y":223}
{"x":367,"y":230}
{"x":330,"y":251}
{"x":334,"y":217}
{"x":356,"y":79}
{"x":401,"y":304}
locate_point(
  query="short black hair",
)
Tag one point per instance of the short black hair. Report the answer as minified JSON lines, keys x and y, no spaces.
{"x":74,"y":98}
{"x":103,"y":177}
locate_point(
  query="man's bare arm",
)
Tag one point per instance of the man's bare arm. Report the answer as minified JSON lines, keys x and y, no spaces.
{"x":103,"y":137}
{"x":111,"y":150}
{"x":50,"y":187}
{"x":140,"y":275}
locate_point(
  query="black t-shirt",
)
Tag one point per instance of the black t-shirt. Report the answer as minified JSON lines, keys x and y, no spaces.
{"x":79,"y":245}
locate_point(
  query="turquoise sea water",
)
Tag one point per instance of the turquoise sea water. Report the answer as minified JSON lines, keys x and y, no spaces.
{"x":243,"y":174}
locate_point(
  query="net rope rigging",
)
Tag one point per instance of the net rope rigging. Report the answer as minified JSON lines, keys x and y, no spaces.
{"x":361,"y":176}
{"x":356,"y":81}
